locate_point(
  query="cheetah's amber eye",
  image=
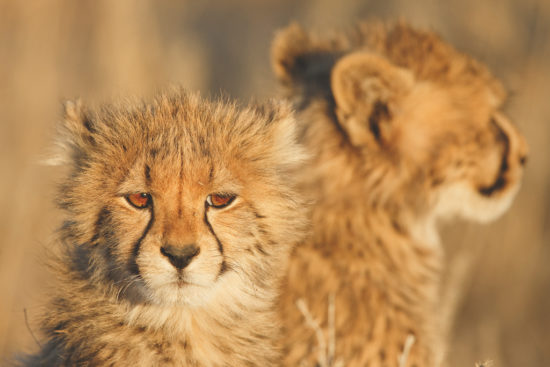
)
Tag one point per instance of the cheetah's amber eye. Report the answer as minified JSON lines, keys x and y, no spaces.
{"x":220,"y":200}
{"x":140,"y":200}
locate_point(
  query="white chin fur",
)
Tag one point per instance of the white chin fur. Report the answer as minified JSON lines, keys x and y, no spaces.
{"x":182,"y":295}
{"x":462,"y":200}
{"x":167,"y":287}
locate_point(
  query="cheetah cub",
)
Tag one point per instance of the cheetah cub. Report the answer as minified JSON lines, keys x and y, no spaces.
{"x":404,"y":130}
{"x":180,"y":216}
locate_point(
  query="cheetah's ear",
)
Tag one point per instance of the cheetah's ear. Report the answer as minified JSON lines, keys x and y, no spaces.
{"x":368,"y":89}
{"x":74,"y":134}
{"x":298,"y":59}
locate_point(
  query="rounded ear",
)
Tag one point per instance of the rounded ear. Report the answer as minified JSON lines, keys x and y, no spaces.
{"x":360,"y":79}
{"x":299,"y":59}
{"x":74,"y":119}
{"x":367,"y":89}
{"x":288,"y":46}
{"x":75,"y":134}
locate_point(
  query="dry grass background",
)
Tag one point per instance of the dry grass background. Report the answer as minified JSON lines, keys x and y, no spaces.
{"x":51,"y":50}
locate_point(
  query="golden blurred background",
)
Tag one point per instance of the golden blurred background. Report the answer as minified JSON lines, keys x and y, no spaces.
{"x":51,"y":50}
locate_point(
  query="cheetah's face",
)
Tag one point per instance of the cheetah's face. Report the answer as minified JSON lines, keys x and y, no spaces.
{"x":416,"y":120}
{"x":198,"y":223}
{"x":182,"y":202}
{"x":447,"y":143}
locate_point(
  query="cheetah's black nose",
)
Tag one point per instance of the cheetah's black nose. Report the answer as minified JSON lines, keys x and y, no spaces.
{"x":180,"y":256}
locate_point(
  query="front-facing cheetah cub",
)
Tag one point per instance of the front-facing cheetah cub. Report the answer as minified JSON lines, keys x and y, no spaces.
{"x":404,"y":131}
{"x":180,"y":215}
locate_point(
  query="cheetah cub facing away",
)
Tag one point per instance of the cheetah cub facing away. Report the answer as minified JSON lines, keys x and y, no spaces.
{"x":403,"y":130}
{"x":181,"y":214}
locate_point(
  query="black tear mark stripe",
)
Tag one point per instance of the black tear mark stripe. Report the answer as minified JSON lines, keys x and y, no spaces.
{"x":220,"y":245}
{"x":500,"y":181}
{"x":223,"y":266}
{"x":133,"y":266}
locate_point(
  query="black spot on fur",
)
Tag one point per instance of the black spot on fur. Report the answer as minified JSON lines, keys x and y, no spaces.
{"x":148,"y":174}
{"x":66,"y":230}
{"x":203,"y":146}
{"x":175,"y":110}
{"x":260,"y":248}
{"x":88,"y":124}
{"x":398,"y":228}
{"x":211,"y":174}
{"x":523,"y":160}
{"x":80,"y":260}
{"x":104,"y":213}
{"x":266,"y":112}
{"x":437,"y":182}
{"x":223,"y":268}
{"x":256,"y":212}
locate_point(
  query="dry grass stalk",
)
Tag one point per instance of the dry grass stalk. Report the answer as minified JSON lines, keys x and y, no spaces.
{"x":326,"y":349}
{"x":487,"y":363}
{"x":409,"y":342}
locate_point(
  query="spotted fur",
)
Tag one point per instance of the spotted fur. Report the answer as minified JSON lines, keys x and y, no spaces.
{"x":122,"y":300}
{"x":404,"y":131}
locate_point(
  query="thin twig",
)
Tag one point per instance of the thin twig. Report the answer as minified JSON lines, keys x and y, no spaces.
{"x":331,"y":329}
{"x":312,"y":323}
{"x":485,"y":364}
{"x":460,"y":270}
{"x":29,"y":328}
{"x":402,"y":359}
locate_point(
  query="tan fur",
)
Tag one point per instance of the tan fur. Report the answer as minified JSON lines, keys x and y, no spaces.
{"x":404,"y":131}
{"x":121,"y":302}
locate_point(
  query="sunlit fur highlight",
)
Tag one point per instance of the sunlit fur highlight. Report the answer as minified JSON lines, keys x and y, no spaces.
{"x":404,"y":131}
{"x":120,"y":301}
